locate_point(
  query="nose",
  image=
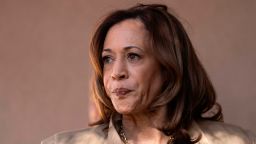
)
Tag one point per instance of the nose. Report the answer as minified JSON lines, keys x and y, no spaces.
{"x":119,"y":71}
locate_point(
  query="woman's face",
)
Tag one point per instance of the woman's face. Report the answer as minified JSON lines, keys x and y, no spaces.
{"x":132,"y":76}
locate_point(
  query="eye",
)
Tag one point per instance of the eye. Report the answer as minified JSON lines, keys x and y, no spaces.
{"x":133,"y":57}
{"x":107,"y":59}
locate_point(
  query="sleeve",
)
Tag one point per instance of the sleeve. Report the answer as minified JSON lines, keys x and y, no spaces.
{"x":85,"y":136}
{"x":49,"y":140}
{"x":252,"y":137}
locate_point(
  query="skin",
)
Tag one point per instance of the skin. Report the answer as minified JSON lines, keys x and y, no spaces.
{"x":132,"y":78}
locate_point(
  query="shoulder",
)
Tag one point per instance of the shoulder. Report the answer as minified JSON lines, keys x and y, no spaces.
{"x":219,"y":132}
{"x":93,"y":135}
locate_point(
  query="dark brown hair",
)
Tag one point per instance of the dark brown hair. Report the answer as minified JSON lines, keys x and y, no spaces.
{"x":187,"y":91}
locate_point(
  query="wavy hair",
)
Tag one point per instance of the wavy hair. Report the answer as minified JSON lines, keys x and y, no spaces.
{"x":187,"y":91}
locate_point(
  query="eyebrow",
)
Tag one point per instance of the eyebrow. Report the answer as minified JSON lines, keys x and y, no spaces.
{"x":125,"y":48}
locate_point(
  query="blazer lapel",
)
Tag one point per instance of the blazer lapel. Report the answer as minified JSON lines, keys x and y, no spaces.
{"x":113,"y":137}
{"x":195,"y":132}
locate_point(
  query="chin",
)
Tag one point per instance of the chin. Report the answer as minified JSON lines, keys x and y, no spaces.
{"x":124,"y":111}
{"x":125,"y":107}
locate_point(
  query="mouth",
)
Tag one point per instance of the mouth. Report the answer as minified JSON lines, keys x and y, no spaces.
{"x":120,"y":92}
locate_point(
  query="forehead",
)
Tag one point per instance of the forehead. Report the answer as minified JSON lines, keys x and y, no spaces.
{"x":131,"y":23}
{"x":127,"y":32}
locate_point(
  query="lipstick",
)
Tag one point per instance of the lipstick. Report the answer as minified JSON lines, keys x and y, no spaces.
{"x":121,"y":91}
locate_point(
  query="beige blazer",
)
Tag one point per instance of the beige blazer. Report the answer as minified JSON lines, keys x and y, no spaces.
{"x":212,"y":133}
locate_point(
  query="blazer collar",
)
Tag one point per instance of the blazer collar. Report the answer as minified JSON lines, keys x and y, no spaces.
{"x":114,"y":138}
{"x":195,"y":131}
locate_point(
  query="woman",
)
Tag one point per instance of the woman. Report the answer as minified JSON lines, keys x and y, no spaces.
{"x":150,"y":86}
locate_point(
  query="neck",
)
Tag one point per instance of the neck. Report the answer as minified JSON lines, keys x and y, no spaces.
{"x":144,"y":127}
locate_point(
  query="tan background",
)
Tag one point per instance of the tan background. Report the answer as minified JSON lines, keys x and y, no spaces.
{"x":44,"y":70}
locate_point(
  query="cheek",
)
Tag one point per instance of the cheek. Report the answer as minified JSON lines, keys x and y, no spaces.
{"x":106,"y":82}
{"x":150,"y":81}
{"x":157,"y":83}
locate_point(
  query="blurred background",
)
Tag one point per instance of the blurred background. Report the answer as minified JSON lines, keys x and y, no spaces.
{"x":45,"y":71}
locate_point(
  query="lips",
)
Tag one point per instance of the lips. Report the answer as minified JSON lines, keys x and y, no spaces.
{"x":121,"y":91}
